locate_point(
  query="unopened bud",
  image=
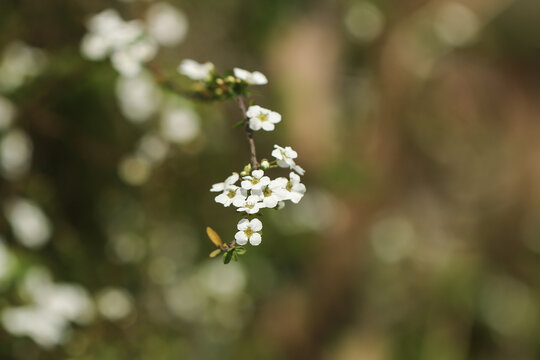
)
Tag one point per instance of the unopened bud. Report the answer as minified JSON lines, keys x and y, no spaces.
{"x":265,"y":165}
{"x":246,"y":171}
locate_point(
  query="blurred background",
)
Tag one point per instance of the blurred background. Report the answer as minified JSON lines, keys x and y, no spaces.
{"x":417,"y":121}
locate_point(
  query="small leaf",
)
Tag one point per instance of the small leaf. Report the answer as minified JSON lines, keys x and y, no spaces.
{"x":228,"y":256}
{"x":214,"y":237}
{"x":215,"y":253}
{"x":238,"y":124}
{"x":241,"y":250}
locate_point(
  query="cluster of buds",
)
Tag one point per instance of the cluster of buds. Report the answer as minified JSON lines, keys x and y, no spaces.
{"x":252,"y":189}
{"x":212,"y":86}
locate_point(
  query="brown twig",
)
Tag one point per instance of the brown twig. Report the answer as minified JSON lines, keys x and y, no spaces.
{"x":249,"y":133}
{"x":162,"y":80}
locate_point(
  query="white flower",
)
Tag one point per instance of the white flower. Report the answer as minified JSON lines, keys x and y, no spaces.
{"x":261,"y":118}
{"x":125,"y":41}
{"x":251,"y":205}
{"x":249,"y":231}
{"x":252,"y":78}
{"x":285,"y":158}
{"x":166,"y":24}
{"x":231,"y":180}
{"x":273,"y":193}
{"x":232,"y":195}
{"x":196,"y":71}
{"x":295,"y":189}
{"x":256,"y":181}
{"x":128,"y":60}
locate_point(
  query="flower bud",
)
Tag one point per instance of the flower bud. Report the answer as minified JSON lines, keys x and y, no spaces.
{"x":265,"y":165}
{"x":246,"y":171}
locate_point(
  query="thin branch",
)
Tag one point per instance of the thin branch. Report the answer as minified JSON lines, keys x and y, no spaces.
{"x":162,"y":80}
{"x":249,"y":134}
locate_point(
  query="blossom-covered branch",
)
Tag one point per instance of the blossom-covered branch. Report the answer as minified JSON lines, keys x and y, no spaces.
{"x":132,"y":47}
{"x":257,"y":190}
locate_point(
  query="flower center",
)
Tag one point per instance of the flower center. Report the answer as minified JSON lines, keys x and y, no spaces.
{"x":231,"y":194}
{"x":248,"y":232}
{"x":250,"y":206}
{"x":267,"y":192}
{"x":255,"y":181}
{"x":263,"y":117}
{"x":289,"y":186}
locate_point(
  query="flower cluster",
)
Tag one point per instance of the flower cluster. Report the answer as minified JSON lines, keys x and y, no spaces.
{"x":130,"y":44}
{"x":252,"y":189}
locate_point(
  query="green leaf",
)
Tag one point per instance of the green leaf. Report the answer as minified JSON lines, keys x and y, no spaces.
{"x":238,"y":124}
{"x":228,"y":256}
{"x":241,"y":250}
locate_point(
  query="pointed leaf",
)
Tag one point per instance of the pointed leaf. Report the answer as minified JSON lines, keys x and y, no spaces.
{"x":214,"y":237}
{"x":227,"y":257}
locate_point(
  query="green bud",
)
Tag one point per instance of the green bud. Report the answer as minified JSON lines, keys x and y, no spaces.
{"x":265,"y":165}
{"x":246,"y":171}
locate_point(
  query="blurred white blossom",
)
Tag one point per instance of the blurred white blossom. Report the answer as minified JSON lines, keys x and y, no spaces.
{"x":166,"y":24}
{"x":364,"y":21}
{"x":15,"y":154}
{"x":19,"y":63}
{"x":114,"y":303}
{"x":153,"y":148}
{"x":53,"y":306}
{"x":29,"y":223}
{"x":179,"y":125}
{"x":134,"y":170}
{"x":251,"y":78}
{"x":138,"y":96}
{"x":196,"y":71}
{"x":126,"y":42}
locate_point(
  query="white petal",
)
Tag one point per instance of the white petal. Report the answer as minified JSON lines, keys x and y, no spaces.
{"x":282,"y":163}
{"x":253,"y":111}
{"x":278,"y":183}
{"x":270,"y":202}
{"x":256,"y":225}
{"x":299,"y":170}
{"x":296,"y":197}
{"x":241,"y":73}
{"x":218,"y":187}
{"x":274,"y":117}
{"x":255,"y":239}
{"x":241,"y":238}
{"x":232,"y":179}
{"x":265,"y":180}
{"x":223,"y":199}
{"x":257,"y":174}
{"x":243,"y":224}
{"x":268,"y":126}
{"x":290,"y":153}
{"x":294,"y":178}
{"x":239,"y":200}
{"x":258,"y":78}
{"x":246,"y":184}
{"x":255,"y":124}
{"x":277,"y":154}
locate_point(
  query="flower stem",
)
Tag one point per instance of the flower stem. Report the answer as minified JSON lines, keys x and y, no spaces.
{"x":249,"y":133}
